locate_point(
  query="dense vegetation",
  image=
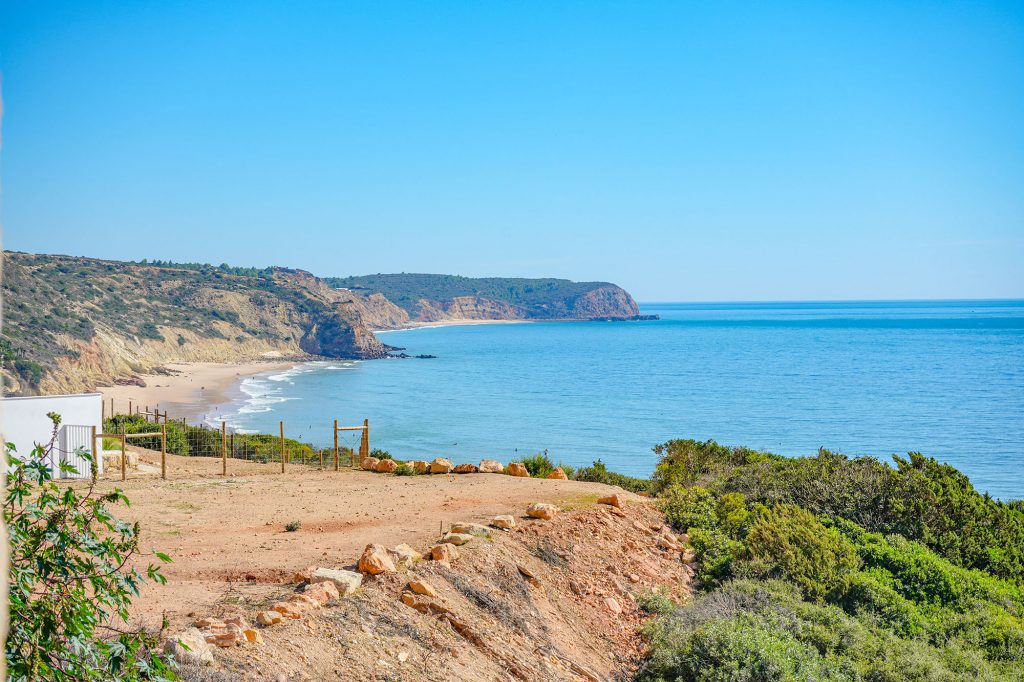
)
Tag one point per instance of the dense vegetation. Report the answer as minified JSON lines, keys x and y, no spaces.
{"x":831,"y":568}
{"x":202,"y":441}
{"x":69,"y":584}
{"x":541,"y":298}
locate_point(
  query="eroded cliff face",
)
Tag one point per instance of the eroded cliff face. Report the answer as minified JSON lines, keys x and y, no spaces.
{"x":467,"y":308}
{"x":72,"y":324}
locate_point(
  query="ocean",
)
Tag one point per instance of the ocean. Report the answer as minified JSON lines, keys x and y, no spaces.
{"x":945,"y":378}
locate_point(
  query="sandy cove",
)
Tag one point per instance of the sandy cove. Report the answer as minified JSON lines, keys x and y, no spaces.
{"x":194,"y":390}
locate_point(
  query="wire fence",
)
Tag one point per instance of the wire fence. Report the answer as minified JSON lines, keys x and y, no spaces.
{"x":157,"y":431}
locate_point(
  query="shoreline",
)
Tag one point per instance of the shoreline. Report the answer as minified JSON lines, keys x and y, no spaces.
{"x":194,"y":391}
{"x":447,"y":323}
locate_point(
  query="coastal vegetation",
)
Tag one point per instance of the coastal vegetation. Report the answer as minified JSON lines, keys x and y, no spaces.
{"x":832,"y":568}
{"x":71,"y":580}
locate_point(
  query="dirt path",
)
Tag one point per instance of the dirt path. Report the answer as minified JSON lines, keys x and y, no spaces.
{"x":227,"y":535}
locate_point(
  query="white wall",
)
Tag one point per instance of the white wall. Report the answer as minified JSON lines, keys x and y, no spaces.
{"x":23,"y":421}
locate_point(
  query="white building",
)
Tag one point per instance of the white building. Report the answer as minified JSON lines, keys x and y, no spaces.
{"x":23,"y":421}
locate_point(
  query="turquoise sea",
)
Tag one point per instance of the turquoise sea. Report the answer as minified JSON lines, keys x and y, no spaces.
{"x":945,"y":378}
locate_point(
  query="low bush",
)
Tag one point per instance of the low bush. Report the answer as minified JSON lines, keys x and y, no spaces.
{"x":69,"y":582}
{"x":598,"y":473}
{"x":404,"y":469}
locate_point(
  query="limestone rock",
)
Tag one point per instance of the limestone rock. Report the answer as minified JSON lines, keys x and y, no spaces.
{"x":615,"y":500}
{"x":613,"y":605}
{"x":542,"y":510}
{"x":517,"y":469}
{"x":347,"y":582}
{"x":190,"y":646}
{"x":441,"y":466}
{"x":456,"y":538}
{"x":376,"y":560}
{"x":405,"y":556}
{"x":419,"y":466}
{"x":491,"y":466}
{"x":504,"y":521}
{"x":444,"y":552}
{"x":422,"y":587}
{"x":386,"y":466}
{"x":287,"y":610}
{"x":471,"y":529}
{"x":465,"y":469}
{"x":369,"y":463}
{"x":226,"y":637}
{"x":267,"y":618}
{"x":322,"y":592}
{"x":558,"y":475}
{"x":304,"y":601}
{"x":253,"y":636}
{"x":418,"y":602}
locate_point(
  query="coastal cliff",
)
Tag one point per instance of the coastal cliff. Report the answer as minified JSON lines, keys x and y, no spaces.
{"x":72,"y":324}
{"x":443,"y":298}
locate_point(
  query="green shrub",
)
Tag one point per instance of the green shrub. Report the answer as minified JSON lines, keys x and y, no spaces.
{"x":177,"y":438}
{"x":68,"y":581}
{"x":789,"y":542}
{"x":538,"y":465}
{"x":404,"y":469}
{"x":292,"y":526}
{"x":380,"y":454}
{"x":598,"y":473}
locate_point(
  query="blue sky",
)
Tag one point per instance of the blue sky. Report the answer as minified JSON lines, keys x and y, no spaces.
{"x":688,"y":151}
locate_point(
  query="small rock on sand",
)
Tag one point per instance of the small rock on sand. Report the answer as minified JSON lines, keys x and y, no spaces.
{"x":542,"y":510}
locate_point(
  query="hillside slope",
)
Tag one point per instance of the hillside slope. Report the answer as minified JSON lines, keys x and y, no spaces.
{"x":72,"y":323}
{"x":434,"y":298}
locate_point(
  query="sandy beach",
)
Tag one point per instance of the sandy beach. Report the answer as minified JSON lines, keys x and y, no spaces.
{"x":194,"y":390}
{"x":448,"y":323}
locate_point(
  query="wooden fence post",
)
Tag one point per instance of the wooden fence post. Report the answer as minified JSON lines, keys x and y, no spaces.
{"x":95,"y":461}
{"x":129,"y":408}
{"x":335,"y":444}
{"x":364,"y":446}
{"x":112,"y":413}
{"x":282,"y":447}
{"x":224,"y":448}
{"x":163,"y":451}
{"x":124,"y":458}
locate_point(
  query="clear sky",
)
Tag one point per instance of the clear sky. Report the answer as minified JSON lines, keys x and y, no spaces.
{"x":688,"y":151}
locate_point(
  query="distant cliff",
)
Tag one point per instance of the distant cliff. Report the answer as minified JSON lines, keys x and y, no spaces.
{"x":71,"y":324}
{"x":434,"y":298}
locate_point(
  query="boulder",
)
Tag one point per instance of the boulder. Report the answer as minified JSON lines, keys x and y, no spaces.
{"x":419,"y":466}
{"x":441,"y":466}
{"x":517,"y":469}
{"x":369,"y":463}
{"x":465,"y":469}
{"x":422,"y":587}
{"x":445,"y":553}
{"x":491,"y":466}
{"x":376,"y":560}
{"x":418,"y":602}
{"x":303,"y":601}
{"x":238,"y":621}
{"x":542,"y":510}
{"x":267,"y":618}
{"x":226,"y":637}
{"x":471,"y":529}
{"x":405,"y":556}
{"x":558,"y":475}
{"x":456,"y":538}
{"x":346,"y":582}
{"x":287,"y":610}
{"x":615,"y":500}
{"x":504,"y":521}
{"x":322,"y":592}
{"x":386,"y":466}
{"x":190,"y":647}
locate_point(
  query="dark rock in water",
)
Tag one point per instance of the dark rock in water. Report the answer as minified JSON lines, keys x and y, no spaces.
{"x":426,"y":357}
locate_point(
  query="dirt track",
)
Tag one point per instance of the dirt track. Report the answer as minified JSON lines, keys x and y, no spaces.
{"x":227,"y":535}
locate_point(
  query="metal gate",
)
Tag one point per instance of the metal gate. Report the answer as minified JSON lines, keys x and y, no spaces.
{"x":73,"y":440}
